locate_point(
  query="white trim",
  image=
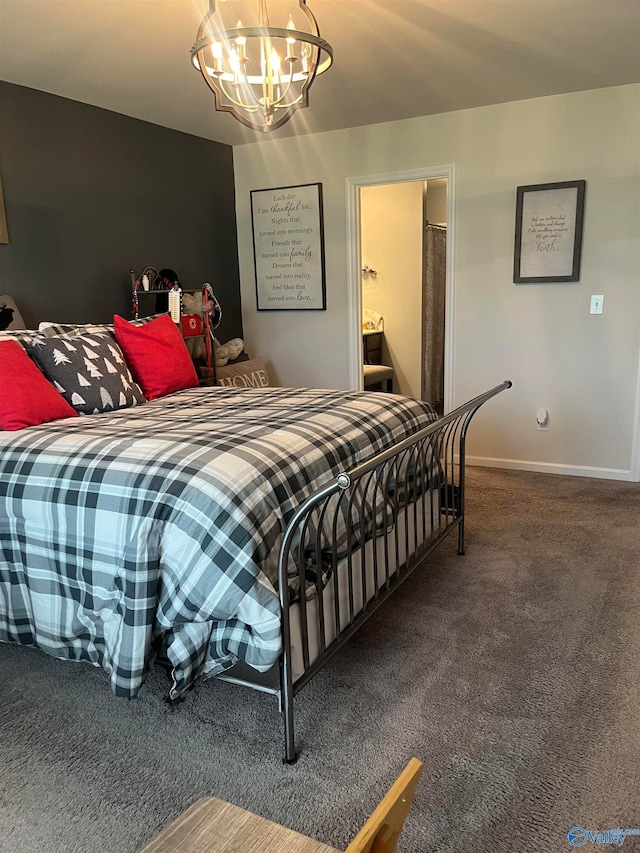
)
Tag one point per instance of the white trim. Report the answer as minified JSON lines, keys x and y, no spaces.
{"x":550,"y":468}
{"x":354,"y":278}
{"x":635,"y":444}
{"x":450,"y":290}
{"x":354,"y":285}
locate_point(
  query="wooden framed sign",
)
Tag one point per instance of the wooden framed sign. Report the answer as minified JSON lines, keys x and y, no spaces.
{"x":288,"y":248}
{"x":548,"y":238}
{"x":245,"y":374}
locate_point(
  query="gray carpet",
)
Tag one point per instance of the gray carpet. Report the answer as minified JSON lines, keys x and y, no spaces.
{"x":511,"y":672}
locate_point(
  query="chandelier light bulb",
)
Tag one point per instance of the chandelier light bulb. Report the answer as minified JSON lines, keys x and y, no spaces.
{"x":234,"y":62}
{"x":291,"y":42}
{"x":275,"y":65}
{"x":216,"y":50}
{"x":305,"y":52}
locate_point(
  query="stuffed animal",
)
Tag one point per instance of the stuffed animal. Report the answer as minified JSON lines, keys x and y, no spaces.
{"x":235,"y":346}
{"x":227,"y":352}
{"x":221,"y":353}
{"x":192,"y":303}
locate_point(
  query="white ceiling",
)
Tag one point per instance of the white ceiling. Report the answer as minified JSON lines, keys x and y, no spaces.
{"x":393,"y":59}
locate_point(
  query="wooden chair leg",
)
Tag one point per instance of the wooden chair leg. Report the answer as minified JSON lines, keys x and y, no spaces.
{"x":380,"y":833}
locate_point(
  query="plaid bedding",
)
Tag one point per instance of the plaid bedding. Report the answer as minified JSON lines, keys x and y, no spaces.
{"x":157,"y":529}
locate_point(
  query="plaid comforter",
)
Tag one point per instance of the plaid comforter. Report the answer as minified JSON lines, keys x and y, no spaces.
{"x":157,"y":528}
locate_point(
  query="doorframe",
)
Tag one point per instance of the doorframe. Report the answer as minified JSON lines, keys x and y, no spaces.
{"x":354,"y":264}
{"x":635,"y":442}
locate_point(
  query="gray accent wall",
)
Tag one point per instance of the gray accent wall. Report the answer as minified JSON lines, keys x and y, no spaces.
{"x":90,"y":194}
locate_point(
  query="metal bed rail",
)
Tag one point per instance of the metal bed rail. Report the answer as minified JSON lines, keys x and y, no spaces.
{"x":349,"y":546}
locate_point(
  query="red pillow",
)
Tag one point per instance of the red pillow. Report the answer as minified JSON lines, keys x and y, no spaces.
{"x":157,"y":356}
{"x":26,"y":397}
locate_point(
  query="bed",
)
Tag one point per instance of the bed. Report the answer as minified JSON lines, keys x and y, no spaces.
{"x":237,"y":533}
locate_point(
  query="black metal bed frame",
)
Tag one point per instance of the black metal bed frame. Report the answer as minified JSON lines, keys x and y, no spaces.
{"x":349,"y":546}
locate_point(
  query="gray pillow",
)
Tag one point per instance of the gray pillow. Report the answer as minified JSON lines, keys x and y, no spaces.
{"x":89,"y":371}
{"x":10,"y":317}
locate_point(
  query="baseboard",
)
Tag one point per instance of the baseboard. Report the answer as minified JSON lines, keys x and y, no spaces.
{"x":551,"y":468}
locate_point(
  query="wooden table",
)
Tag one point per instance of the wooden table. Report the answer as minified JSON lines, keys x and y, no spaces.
{"x":213,"y":826}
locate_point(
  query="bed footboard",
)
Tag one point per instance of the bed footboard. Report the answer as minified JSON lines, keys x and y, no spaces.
{"x":350,"y":545}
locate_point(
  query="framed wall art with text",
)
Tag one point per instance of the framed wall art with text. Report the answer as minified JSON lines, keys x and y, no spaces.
{"x":548,"y":239}
{"x":288,"y":248}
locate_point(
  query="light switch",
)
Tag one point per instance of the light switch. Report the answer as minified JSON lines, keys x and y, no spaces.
{"x":597,"y":304}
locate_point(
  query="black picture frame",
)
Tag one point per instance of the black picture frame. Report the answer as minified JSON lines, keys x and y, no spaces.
{"x":288,"y":248}
{"x":548,"y":234}
{"x":4,"y":228}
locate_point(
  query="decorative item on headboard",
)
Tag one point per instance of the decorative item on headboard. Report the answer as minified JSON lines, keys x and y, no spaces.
{"x":167,"y":279}
{"x":191,"y":325}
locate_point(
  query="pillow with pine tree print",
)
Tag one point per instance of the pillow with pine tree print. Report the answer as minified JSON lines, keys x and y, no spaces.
{"x":89,"y":371}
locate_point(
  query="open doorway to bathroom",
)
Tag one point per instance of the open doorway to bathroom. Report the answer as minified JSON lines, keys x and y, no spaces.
{"x":403,"y":249}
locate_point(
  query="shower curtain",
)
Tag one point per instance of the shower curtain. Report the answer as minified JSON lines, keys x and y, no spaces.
{"x":435,"y":249}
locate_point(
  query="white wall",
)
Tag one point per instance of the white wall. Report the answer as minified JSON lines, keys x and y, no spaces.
{"x":582,"y":368}
{"x":436,"y":201}
{"x":391,"y":231}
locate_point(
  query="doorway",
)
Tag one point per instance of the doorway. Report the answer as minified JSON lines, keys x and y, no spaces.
{"x":394,"y":257}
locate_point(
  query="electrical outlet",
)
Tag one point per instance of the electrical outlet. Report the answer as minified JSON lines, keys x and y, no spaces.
{"x":597,"y":304}
{"x":542,"y":419}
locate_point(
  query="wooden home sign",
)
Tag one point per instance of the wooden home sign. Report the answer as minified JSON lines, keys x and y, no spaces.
{"x":245,"y":374}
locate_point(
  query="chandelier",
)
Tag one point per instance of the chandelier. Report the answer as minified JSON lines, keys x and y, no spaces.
{"x":259,"y":73}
